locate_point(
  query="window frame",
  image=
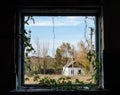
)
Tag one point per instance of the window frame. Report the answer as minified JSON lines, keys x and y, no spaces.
{"x":42,"y":11}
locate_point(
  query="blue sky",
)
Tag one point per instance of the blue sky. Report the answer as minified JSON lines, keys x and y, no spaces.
{"x":66,"y":28}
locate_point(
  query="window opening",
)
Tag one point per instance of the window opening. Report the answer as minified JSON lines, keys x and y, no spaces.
{"x":59,"y":50}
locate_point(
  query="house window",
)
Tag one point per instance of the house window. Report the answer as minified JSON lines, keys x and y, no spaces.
{"x":79,"y":71}
{"x":72,"y":72}
{"x":49,"y":40}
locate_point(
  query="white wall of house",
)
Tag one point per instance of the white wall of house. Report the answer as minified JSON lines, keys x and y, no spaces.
{"x":67,"y":71}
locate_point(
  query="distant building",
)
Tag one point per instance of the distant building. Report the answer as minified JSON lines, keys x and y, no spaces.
{"x":73,"y":68}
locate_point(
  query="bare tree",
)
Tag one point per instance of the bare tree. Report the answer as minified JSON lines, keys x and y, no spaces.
{"x":38,"y":48}
{"x":89,"y":40}
{"x":45,"y":47}
{"x":41,"y":53}
{"x":37,"y":53}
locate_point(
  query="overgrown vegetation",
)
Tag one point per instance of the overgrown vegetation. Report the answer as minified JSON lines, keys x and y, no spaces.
{"x":63,"y":83}
{"x":28,"y":48}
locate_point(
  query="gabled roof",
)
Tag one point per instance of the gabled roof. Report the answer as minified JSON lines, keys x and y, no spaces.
{"x":69,"y":64}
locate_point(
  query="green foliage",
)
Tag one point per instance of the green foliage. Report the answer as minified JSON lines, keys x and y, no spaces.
{"x":26,"y":36}
{"x":65,"y":49}
{"x":96,"y":69}
{"x":36,"y":77}
{"x":94,"y":59}
{"x":63,"y":83}
{"x":26,"y":78}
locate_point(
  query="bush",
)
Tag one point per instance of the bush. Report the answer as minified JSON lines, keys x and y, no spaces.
{"x":48,"y":71}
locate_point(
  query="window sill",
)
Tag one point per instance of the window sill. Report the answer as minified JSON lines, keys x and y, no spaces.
{"x":59,"y":92}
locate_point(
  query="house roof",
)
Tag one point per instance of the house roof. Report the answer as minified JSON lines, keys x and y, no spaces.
{"x":72,"y":63}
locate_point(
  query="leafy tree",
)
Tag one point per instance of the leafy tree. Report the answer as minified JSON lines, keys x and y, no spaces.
{"x":65,"y":49}
{"x":58,"y":59}
{"x":82,"y":55}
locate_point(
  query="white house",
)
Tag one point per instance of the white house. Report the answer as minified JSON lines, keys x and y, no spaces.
{"x":70,"y":69}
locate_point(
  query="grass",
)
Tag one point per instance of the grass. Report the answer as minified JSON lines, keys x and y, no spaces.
{"x":84,"y":78}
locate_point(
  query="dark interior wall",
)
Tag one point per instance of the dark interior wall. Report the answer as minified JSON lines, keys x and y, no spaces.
{"x":6,"y":46}
{"x":112,"y":45}
{"x":111,"y":38}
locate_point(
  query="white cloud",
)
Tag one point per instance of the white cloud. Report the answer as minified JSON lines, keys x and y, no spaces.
{"x":72,"y":17}
{"x":43,"y":23}
{"x":68,"y":21}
